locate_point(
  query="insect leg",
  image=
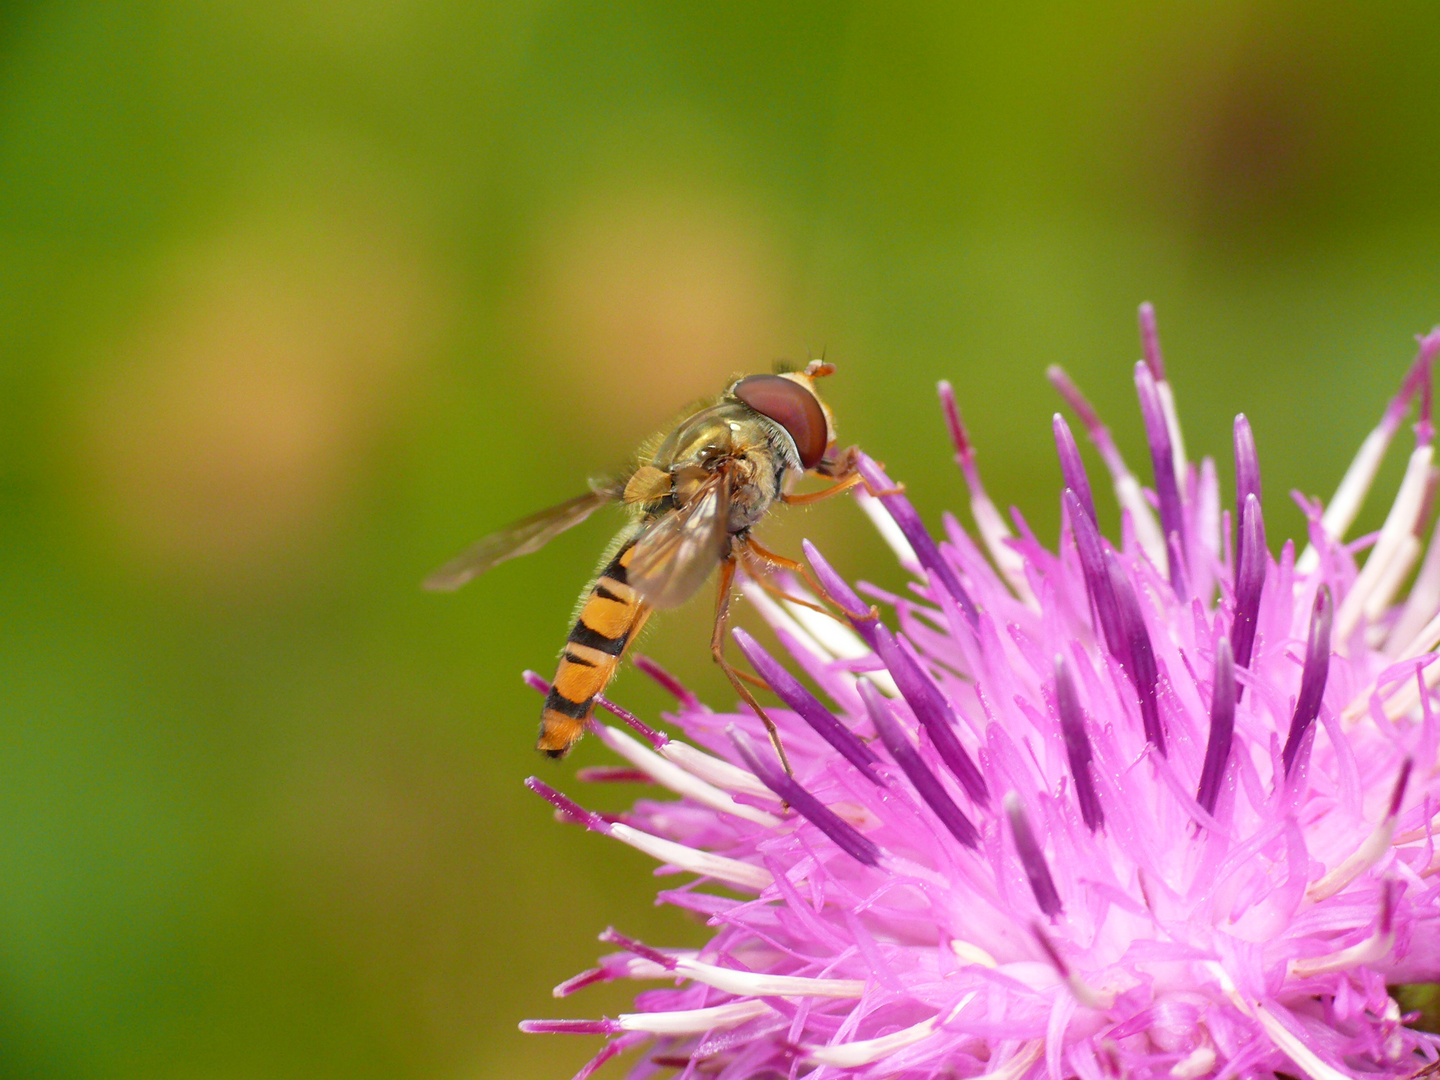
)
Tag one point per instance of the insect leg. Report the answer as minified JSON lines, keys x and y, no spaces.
{"x":717,"y":650}
{"x":824,"y":493}
{"x":771,"y":561}
{"x":844,"y":470}
{"x":758,"y":571}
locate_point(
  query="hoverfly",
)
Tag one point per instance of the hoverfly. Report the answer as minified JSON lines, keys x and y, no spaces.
{"x":693,"y":495}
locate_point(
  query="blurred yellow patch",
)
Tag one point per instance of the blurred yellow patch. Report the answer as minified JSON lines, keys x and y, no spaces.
{"x":644,"y":300}
{"x":228,"y":425}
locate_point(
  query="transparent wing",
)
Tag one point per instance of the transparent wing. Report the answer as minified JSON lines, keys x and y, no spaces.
{"x":524,"y":536}
{"x":675,"y":555}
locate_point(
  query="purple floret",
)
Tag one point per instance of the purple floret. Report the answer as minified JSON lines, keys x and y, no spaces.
{"x":1159,"y":806}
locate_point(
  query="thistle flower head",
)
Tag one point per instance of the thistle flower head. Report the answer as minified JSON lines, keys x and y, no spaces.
{"x":1159,"y":805}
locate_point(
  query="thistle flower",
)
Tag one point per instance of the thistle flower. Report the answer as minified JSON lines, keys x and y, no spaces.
{"x":1161,"y":807}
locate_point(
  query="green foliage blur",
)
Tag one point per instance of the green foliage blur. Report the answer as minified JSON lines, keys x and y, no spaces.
{"x":297,"y":300}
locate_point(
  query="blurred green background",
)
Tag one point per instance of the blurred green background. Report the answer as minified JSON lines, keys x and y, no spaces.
{"x":300,"y":299}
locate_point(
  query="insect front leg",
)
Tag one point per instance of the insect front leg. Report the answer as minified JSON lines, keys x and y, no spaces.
{"x":824,"y":493}
{"x":737,"y":678}
{"x":845,"y":471}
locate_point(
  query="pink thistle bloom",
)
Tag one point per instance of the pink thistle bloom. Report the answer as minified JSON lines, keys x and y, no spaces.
{"x":1157,"y":808}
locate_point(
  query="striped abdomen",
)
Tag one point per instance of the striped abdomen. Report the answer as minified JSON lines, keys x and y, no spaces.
{"x":611,"y":616}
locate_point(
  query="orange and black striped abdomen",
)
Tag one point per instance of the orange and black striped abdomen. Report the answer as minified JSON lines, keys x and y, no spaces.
{"x":611,"y":616}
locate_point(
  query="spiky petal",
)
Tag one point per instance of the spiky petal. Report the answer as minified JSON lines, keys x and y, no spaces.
{"x":1160,"y":813}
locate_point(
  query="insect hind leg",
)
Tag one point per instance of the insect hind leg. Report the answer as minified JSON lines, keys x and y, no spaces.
{"x":737,"y":678}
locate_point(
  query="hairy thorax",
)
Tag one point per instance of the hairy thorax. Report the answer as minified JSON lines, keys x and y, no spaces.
{"x":755,"y":453}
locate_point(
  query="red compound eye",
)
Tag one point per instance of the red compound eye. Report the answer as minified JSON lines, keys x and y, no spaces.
{"x":791,"y":406}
